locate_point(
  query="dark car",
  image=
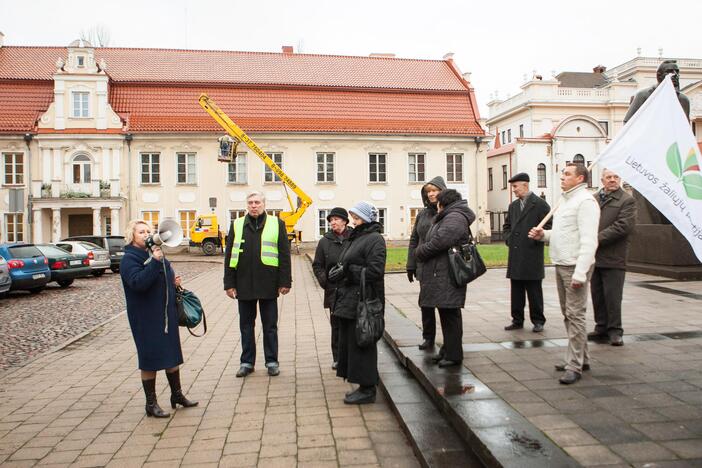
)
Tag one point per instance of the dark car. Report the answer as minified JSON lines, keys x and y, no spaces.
{"x":113,"y":244}
{"x":65,"y":266}
{"x":29,"y":268}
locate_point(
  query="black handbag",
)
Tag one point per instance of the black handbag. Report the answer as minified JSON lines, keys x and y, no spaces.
{"x":370,"y":322}
{"x":190,"y":310}
{"x":465,"y":263}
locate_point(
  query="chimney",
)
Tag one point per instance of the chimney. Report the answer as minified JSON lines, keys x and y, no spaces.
{"x":448,"y":56}
{"x":288,"y":50}
{"x":599,"y":69}
{"x":466,"y":76}
{"x":2,"y":39}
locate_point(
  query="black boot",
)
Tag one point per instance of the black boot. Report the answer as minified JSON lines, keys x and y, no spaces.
{"x":177,"y":397}
{"x":152,"y":408}
{"x":362,"y":396}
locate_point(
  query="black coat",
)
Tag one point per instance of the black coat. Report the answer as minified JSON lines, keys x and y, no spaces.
{"x":367,"y":250}
{"x":451,"y":228}
{"x":325,"y":257}
{"x":251,"y":278}
{"x":422,"y":224}
{"x":145,"y":292}
{"x":617,"y":222}
{"x":526,"y":256}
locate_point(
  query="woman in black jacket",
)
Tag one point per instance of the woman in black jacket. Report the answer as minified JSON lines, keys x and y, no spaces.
{"x":365,"y":250}
{"x":422,"y":224}
{"x":326,"y":256}
{"x":450,"y":229}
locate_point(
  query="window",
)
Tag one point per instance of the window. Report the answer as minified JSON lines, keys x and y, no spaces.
{"x":504,"y":176}
{"x":382,"y":219}
{"x":325,"y":167}
{"x":236,"y":171}
{"x":605,"y":126}
{"x":151,"y":218}
{"x":275,"y":213}
{"x":15,"y":227}
{"x":234,"y":214}
{"x":503,"y":137}
{"x":81,"y":169}
{"x":413,"y":212}
{"x":454,"y":167}
{"x":521,"y":130}
{"x":81,"y":61}
{"x":541,"y":175}
{"x":186,"y":168}
{"x":150,"y":168}
{"x":187,"y":220}
{"x":322,"y":223}
{"x":377,"y":167}
{"x":489,"y":178}
{"x":108,"y":226}
{"x":14,"y":168}
{"x":269,"y":176}
{"x":579,"y":159}
{"x":80,"y":104}
{"x":509,"y":135}
{"x":416,"y":167}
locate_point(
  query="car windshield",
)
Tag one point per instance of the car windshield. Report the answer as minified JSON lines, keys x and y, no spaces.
{"x":90,"y":245}
{"x":52,"y":251}
{"x":2,"y":260}
{"x":24,"y":251}
{"x":115,"y":241}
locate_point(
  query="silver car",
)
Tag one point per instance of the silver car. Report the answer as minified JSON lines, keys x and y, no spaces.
{"x":98,"y":257}
{"x":5,"y":279}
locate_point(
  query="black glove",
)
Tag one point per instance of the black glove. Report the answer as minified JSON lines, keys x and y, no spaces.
{"x":336,"y":273}
{"x":411,"y":275}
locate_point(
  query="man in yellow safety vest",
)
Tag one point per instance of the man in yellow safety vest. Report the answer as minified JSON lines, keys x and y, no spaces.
{"x":257,"y":270}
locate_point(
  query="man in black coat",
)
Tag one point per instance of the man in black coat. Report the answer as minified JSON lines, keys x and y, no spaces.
{"x":617,"y":222}
{"x":256,"y":270}
{"x":525,"y":264}
{"x":325,"y":257}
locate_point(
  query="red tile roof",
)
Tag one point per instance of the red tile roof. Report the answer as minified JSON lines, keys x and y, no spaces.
{"x":21,"y":104}
{"x":504,"y":149}
{"x":156,"y":90}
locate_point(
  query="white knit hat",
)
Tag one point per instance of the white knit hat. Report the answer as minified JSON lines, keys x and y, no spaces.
{"x":365,"y":211}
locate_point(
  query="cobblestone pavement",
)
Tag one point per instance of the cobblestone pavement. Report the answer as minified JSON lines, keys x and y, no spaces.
{"x":83,"y":405}
{"x":640,"y":405}
{"x":32,"y":324}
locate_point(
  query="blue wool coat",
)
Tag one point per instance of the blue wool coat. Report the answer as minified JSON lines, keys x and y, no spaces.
{"x":145,"y":292}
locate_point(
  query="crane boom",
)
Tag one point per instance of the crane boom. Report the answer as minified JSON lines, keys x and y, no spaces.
{"x":304,"y":201}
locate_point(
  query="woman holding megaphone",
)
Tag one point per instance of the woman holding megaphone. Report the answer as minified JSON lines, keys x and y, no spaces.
{"x":149,"y":288}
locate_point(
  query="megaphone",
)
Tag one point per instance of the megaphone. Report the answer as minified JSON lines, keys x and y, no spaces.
{"x":169,"y":234}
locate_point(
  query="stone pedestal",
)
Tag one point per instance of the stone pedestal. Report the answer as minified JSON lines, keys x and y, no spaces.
{"x":660,"y":249}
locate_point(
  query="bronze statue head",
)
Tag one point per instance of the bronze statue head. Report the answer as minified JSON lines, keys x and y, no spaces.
{"x":669,"y":67}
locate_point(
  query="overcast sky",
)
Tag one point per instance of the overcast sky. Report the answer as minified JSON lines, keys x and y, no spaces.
{"x":498,"y":41}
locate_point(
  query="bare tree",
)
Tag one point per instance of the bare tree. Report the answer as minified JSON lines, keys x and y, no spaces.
{"x":98,"y":35}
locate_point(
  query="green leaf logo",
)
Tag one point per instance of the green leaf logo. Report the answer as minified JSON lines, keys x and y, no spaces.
{"x":688,"y":173}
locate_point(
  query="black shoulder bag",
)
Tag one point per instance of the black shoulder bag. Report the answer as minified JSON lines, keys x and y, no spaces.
{"x":465,"y":263}
{"x":370,"y":322}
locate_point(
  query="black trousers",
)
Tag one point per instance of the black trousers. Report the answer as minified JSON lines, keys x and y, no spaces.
{"x":452,"y":328}
{"x":606,"y":287}
{"x":428,"y":324}
{"x":531,"y":289}
{"x":334,"y":320}
{"x":357,"y":365}
{"x":247,"y":322}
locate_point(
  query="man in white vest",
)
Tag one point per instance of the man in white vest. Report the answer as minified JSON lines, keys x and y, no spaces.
{"x":256,"y":271}
{"x":573,"y":242}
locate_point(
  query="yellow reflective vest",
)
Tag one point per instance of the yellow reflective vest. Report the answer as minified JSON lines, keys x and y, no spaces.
{"x":269,"y":241}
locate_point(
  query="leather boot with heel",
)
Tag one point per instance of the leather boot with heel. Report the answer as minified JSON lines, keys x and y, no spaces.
{"x":152,"y":408}
{"x":177,"y":397}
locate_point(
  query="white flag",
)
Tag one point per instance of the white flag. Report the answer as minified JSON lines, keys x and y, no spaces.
{"x":657,"y":154}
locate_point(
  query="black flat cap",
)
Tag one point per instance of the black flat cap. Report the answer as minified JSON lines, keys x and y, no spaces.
{"x":521,"y":177}
{"x":338,"y":212}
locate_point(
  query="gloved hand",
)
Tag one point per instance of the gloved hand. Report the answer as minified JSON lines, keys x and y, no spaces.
{"x":411,"y":275}
{"x":336,"y":273}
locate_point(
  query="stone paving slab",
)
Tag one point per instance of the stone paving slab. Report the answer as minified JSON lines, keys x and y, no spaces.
{"x":83,"y":405}
{"x":640,"y":404}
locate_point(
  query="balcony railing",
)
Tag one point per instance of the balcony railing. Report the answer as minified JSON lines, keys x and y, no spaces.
{"x":93,"y":189}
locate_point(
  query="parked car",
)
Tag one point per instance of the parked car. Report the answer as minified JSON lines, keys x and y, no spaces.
{"x":65,"y":266}
{"x":28,"y":267}
{"x":98,"y":257}
{"x":113,"y":244}
{"x":5,"y":278}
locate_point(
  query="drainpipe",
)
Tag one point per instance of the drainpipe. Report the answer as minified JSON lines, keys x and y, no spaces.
{"x":30,"y":218}
{"x":478,"y":140}
{"x":128,"y":138}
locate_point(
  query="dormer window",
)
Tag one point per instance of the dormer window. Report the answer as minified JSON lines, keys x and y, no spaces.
{"x":81,"y":61}
{"x":80,"y":104}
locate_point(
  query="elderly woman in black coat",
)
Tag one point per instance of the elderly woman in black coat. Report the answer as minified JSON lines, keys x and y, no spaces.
{"x":149,"y":288}
{"x":365,"y":251}
{"x":451,"y":228}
